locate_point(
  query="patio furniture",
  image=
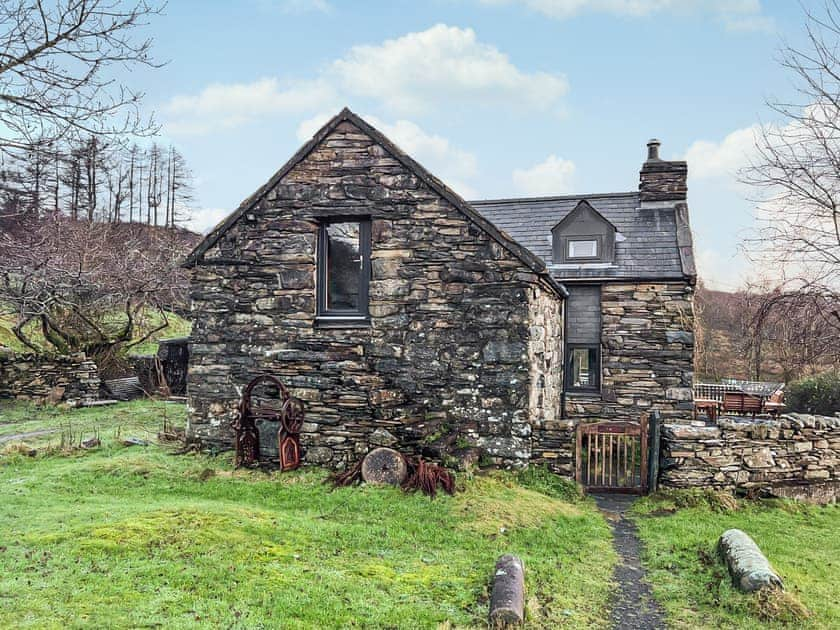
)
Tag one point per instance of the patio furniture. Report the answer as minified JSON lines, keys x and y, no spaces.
{"x":708,"y":406}
{"x":776,"y":403}
{"x":743,"y":403}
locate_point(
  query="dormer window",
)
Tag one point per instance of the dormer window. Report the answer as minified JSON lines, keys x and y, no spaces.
{"x":584,"y":248}
{"x":583,"y":236}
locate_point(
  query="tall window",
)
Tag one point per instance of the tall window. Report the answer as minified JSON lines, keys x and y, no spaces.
{"x":583,"y":334}
{"x":343,"y":270}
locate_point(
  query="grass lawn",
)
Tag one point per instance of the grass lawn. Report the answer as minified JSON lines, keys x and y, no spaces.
{"x":801,"y":542}
{"x":140,"y":537}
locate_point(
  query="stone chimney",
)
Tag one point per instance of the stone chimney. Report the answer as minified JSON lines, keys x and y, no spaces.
{"x":661,"y":180}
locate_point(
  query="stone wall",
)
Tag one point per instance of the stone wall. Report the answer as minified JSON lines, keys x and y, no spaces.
{"x":741,"y":453}
{"x":551,"y":440}
{"x":455,"y":318}
{"x":647,"y":354}
{"x":63,"y":379}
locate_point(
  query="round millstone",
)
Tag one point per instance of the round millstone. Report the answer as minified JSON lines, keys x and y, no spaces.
{"x":384,"y":465}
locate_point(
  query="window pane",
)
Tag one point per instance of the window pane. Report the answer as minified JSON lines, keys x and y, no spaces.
{"x":584,"y":367}
{"x":344,"y":263}
{"x":583,"y":249}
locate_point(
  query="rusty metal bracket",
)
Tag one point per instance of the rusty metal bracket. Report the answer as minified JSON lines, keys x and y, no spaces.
{"x":290,"y":416}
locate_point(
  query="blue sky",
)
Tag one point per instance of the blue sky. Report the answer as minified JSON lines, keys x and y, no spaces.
{"x":497,"y":97}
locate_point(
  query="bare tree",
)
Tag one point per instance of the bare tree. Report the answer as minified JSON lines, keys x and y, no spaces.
{"x":80,"y":286}
{"x":56,"y":69}
{"x":797,"y":171}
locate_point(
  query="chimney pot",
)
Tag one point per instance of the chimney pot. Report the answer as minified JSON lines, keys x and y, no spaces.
{"x":653,"y":149}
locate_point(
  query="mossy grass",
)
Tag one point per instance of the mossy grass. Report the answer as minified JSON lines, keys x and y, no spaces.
{"x":139,"y":537}
{"x":680,"y":530}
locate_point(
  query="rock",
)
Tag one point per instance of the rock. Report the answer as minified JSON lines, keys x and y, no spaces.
{"x":466,"y":458}
{"x":384,"y":466}
{"x":679,"y":336}
{"x":382,"y":437}
{"x":679,"y":393}
{"x":749,"y":568}
{"x":507,"y":600}
{"x":91,"y":443}
{"x":318,"y":454}
{"x":685,"y":432}
{"x":133,"y":441}
{"x":761,"y":458}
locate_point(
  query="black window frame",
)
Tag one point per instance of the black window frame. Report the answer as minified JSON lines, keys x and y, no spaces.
{"x":570,"y":348}
{"x":339,"y":318}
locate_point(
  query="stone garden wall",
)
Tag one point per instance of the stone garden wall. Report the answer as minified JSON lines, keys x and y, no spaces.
{"x":63,"y":379}
{"x":796,"y":451}
{"x":647,"y":354}
{"x":463,"y":342}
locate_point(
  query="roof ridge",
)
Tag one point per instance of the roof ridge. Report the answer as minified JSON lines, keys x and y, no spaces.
{"x":525,"y":256}
{"x":581,"y":196}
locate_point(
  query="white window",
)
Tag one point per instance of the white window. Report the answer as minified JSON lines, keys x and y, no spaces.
{"x":583,"y":248}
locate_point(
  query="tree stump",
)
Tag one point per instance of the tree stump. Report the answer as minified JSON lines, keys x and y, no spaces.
{"x":384,"y":465}
{"x":507,"y":601}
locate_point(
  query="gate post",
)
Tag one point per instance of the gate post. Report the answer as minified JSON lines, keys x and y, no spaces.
{"x":655,"y":430}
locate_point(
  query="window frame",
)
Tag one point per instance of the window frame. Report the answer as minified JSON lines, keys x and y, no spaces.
{"x":325,"y":317}
{"x":599,"y":247}
{"x":570,"y":348}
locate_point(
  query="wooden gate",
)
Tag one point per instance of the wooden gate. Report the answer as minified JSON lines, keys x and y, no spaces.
{"x":612,"y":456}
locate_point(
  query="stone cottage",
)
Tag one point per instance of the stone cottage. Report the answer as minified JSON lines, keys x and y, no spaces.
{"x":402,"y":314}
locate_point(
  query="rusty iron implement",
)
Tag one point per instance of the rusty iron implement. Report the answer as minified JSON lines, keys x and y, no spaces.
{"x":289,"y":414}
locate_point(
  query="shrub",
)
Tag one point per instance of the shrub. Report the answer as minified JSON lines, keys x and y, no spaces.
{"x":541,"y":479}
{"x":816,"y":394}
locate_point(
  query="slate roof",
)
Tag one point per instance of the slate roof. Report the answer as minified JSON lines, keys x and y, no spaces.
{"x":656,"y":245}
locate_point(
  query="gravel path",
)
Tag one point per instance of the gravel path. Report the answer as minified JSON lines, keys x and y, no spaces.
{"x":633,"y":606}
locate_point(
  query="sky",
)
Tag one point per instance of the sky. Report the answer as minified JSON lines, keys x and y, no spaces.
{"x":499,"y":98}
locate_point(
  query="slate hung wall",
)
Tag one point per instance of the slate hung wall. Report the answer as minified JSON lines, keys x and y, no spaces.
{"x":465,"y":330}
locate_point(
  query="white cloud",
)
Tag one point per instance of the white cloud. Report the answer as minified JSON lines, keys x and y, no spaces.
{"x":722,"y":159}
{"x":552,"y":176}
{"x":414,"y":73}
{"x":720,"y":271}
{"x":734,"y":14}
{"x":204,"y":219}
{"x":436,"y":153}
{"x":229,"y":105}
{"x":443,"y":63}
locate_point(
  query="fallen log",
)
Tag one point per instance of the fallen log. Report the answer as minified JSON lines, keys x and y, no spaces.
{"x":749,"y":568}
{"x":507,"y":600}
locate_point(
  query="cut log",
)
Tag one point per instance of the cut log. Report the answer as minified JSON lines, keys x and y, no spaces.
{"x":384,"y":465}
{"x":749,"y":568}
{"x":507,"y":601}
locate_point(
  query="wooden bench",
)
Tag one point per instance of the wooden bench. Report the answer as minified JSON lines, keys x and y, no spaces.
{"x":739,"y":402}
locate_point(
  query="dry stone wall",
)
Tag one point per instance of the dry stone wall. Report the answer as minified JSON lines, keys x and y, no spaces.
{"x":455,"y":318}
{"x":647,"y":354}
{"x":73,"y":380}
{"x":795,"y":451}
